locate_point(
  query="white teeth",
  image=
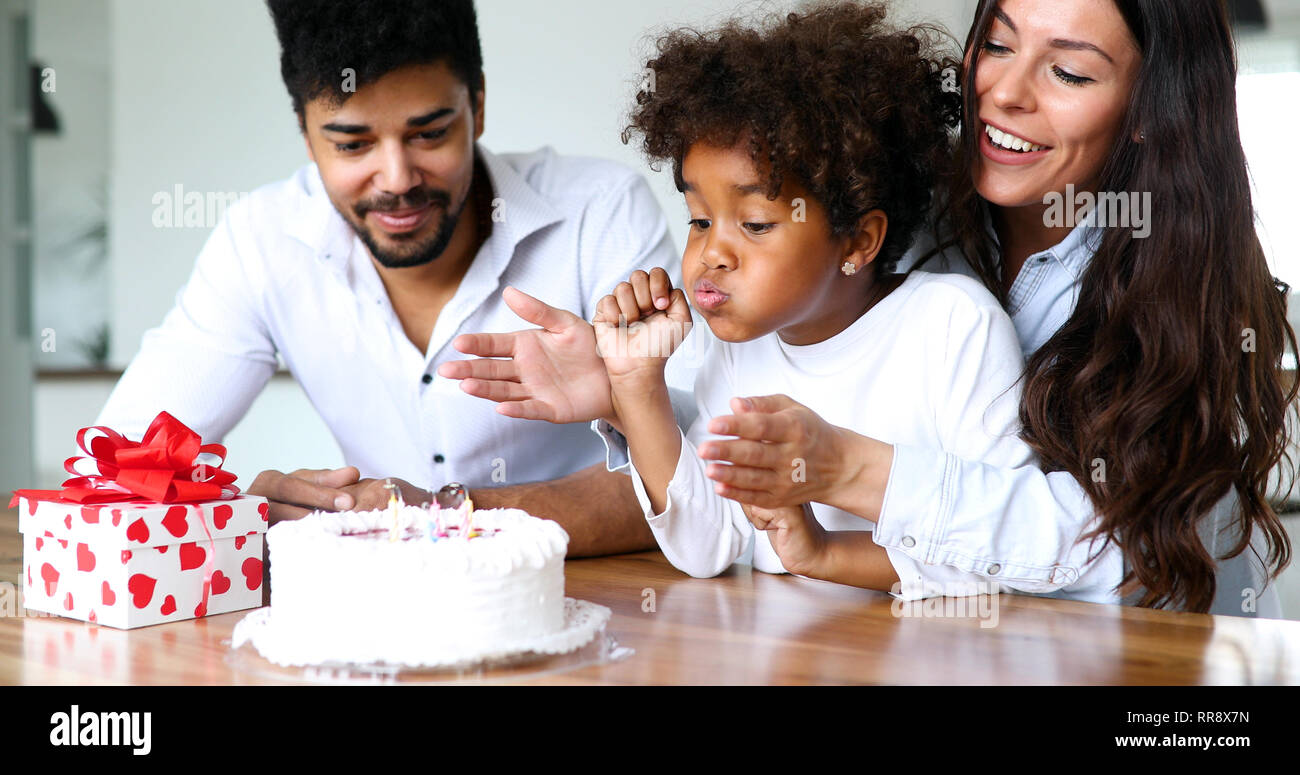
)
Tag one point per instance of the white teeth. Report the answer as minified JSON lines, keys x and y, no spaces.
{"x":1009,"y":141}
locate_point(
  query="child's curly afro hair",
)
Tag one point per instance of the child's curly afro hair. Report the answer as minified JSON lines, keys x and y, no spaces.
{"x":856,"y":111}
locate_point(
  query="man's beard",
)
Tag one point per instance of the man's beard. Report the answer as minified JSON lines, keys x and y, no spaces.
{"x":414,"y":253}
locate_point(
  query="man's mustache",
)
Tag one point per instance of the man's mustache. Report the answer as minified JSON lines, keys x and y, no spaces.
{"x":411,"y":200}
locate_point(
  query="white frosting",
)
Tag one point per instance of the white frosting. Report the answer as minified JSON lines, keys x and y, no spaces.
{"x":341,"y":591}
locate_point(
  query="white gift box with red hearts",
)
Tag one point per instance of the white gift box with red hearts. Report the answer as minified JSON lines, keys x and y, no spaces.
{"x":137,"y":563}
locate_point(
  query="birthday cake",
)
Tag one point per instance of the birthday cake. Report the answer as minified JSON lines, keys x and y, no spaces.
{"x":418,"y":587}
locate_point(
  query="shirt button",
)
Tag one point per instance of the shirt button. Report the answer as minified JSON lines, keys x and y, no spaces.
{"x":994,"y":569}
{"x":438,"y":458}
{"x":427,"y":378}
{"x":909,"y":541}
{"x":1043,"y":260}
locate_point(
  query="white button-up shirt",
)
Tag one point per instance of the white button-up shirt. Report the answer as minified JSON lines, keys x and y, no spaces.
{"x":1022,"y":521}
{"x":285,"y":276}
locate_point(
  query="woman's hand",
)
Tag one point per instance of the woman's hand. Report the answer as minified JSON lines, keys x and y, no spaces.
{"x":552,"y":373}
{"x":796,"y":535}
{"x":639,"y":325}
{"x":786,"y":455}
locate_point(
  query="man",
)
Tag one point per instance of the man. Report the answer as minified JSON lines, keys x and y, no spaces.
{"x":359,"y":271}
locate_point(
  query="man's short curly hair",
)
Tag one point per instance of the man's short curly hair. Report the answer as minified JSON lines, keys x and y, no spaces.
{"x":320,"y":38}
{"x":851,"y":108}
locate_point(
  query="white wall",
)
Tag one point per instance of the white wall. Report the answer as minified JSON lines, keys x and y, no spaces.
{"x":196,"y":101}
{"x":281,"y":430}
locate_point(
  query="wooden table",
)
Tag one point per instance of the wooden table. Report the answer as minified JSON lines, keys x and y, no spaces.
{"x":740,"y":628}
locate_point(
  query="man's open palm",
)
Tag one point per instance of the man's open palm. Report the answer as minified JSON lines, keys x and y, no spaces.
{"x":551,"y":373}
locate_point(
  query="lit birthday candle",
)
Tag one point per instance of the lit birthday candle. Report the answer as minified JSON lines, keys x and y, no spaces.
{"x":394,"y":508}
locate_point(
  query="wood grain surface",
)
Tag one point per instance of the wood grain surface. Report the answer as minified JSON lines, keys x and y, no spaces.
{"x":741,"y":628}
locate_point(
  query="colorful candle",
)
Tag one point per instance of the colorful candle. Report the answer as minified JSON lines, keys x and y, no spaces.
{"x":467,"y":520}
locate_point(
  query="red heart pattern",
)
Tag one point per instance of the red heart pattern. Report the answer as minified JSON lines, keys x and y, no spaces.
{"x":141,"y":588}
{"x":175,"y":521}
{"x":192,"y":555}
{"x":221,"y":515}
{"x":252,"y":569}
{"x":85,"y":558}
{"x":51,"y":578}
{"x":138,"y":531}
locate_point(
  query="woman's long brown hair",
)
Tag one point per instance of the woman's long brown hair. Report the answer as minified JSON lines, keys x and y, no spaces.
{"x":1168,"y":370}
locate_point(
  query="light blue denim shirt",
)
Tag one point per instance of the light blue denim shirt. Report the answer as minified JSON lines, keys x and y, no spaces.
{"x":935,"y":496}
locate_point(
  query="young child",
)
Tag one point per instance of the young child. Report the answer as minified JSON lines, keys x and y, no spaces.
{"x":806,"y":150}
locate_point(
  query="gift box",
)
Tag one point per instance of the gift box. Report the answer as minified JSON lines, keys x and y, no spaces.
{"x":159,"y":534}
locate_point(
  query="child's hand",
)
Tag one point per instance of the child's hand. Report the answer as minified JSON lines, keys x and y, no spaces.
{"x":551,"y":373}
{"x":796,"y":535}
{"x":785,"y":454}
{"x":640,"y":324}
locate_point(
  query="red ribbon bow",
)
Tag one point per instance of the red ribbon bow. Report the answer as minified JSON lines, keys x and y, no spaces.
{"x":163,"y":467}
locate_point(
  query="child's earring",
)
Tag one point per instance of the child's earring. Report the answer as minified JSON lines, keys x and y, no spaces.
{"x":849,"y":268}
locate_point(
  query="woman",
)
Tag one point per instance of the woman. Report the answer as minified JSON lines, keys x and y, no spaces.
{"x":1153,"y":335}
{"x":1131,"y":391}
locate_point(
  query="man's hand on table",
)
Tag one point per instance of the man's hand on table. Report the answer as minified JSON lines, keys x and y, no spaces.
{"x":295,"y":494}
